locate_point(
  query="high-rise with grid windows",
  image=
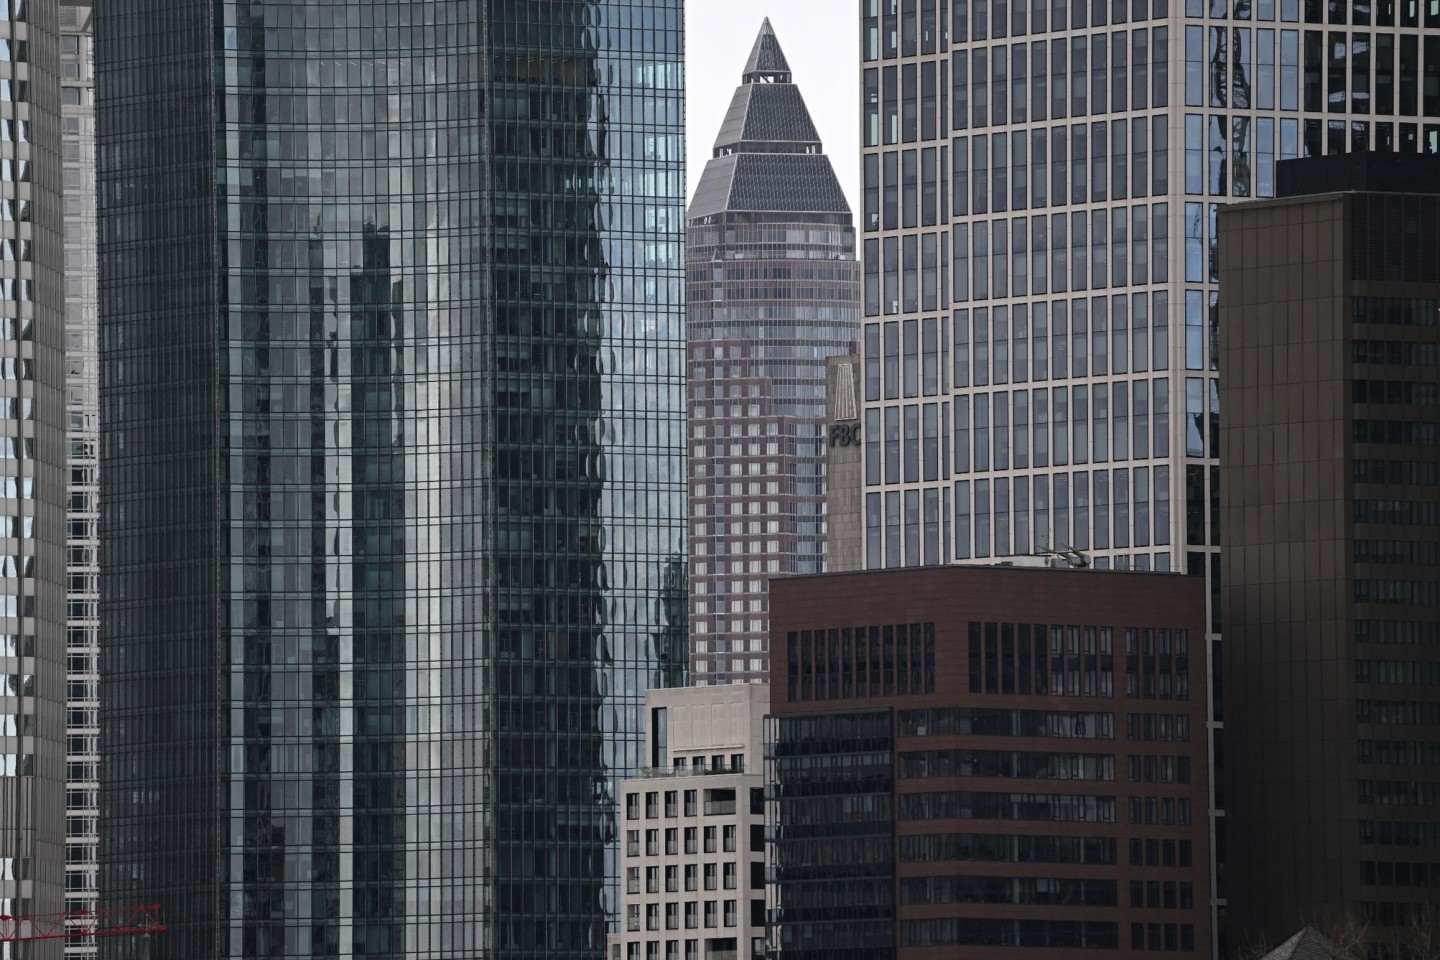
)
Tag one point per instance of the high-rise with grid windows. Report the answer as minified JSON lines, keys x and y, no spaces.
{"x":773,"y":290}
{"x":82,"y":425}
{"x":1041,"y":186}
{"x":391,"y":390}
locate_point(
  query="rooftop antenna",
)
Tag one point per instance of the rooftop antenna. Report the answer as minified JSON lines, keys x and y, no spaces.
{"x":1076,"y":559}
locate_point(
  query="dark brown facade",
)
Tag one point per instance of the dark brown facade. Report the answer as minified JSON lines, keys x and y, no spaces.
{"x":1330,"y":336}
{"x":966,"y":760}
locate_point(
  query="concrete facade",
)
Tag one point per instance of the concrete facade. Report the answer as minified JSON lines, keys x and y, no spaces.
{"x":693,"y":860}
{"x":844,"y":467}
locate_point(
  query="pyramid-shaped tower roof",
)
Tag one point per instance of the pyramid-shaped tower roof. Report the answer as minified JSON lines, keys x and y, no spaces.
{"x":768,"y":156}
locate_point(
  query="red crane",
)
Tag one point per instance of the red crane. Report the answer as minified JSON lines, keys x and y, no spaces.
{"x":104,"y":922}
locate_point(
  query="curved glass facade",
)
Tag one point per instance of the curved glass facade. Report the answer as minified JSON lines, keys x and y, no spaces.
{"x":392,"y":384}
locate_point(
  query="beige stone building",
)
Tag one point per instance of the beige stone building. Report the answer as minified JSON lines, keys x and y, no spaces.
{"x":693,"y":853}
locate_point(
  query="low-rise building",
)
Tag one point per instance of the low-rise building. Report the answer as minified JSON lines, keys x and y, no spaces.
{"x":693,"y":853}
{"x":971,"y":759}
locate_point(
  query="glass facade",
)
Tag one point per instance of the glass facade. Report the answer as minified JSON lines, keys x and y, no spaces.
{"x":392,"y":379}
{"x":773,"y":289}
{"x":1042,"y":181}
{"x":82,"y":409}
{"x":32,"y":472}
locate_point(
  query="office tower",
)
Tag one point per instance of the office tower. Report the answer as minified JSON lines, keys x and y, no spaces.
{"x":1041,"y":185}
{"x":772,"y":289}
{"x":1329,"y":336}
{"x":844,"y":463}
{"x":970,"y":759}
{"x":82,"y":411}
{"x":392,"y":397}
{"x":32,"y":472}
{"x":694,"y":827}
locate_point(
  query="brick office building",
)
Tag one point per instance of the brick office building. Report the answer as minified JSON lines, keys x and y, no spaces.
{"x":965,"y":758}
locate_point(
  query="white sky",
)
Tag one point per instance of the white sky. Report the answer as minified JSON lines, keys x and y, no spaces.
{"x":821,"y":39}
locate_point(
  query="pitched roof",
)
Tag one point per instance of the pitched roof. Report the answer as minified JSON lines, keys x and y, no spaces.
{"x":768,"y":183}
{"x":767,"y":157}
{"x":1308,"y":944}
{"x":766,"y":57}
{"x":767,"y":113}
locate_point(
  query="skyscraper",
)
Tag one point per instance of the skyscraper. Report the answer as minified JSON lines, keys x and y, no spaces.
{"x":82,"y":424}
{"x":1042,"y":180}
{"x":392,"y":396}
{"x":773,"y":290}
{"x":1332,"y":492}
{"x":32,"y":471}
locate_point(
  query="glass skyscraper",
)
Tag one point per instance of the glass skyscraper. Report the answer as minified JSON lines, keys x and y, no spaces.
{"x":773,"y":290}
{"x":32,"y":472}
{"x":82,"y":425}
{"x":393,"y":405}
{"x":1042,"y":180}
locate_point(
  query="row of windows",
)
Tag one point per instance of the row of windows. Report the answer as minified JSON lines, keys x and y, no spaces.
{"x":1413,"y":513}
{"x":1415,"y":433}
{"x":1041,"y":16}
{"x":715,"y":840}
{"x":1157,"y":727}
{"x":1149,"y":768}
{"x":1399,"y":833}
{"x":1006,"y":848}
{"x":692,"y":915}
{"x":1058,"y":892}
{"x":1414,"y":712}
{"x":977,"y":721}
{"x":1099,"y":423}
{"x":1404,"y":632}
{"x":975,"y":805}
{"x":726,"y":874}
{"x":1077,"y":661}
{"x":1417,"y":393}
{"x":868,"y":661}
{"x":999,"y":345}
{"x":1394,"y":352}
{"x":1169,"y":937}
{"x":1162,"y":810}
{"x":1421,"y":672}
{"x":1406,"y":793}
{"x":1009,"y":933}
{"x":922,"y":532}
{"x":1396,"y":311}
{"x":1064,"y":164}
{"x":1161,"y":853}
{"x":1083,"y":337}
{"x":717,"y":801}
{"x":1403,"y":752}
{"x":1076,"y":76}
{"x":1016,"y":764}
{"x":1407,"y":552}
{"x":1409,"y":592}
{"x":1384,"y":873}
{"x":1162,"y":894}
{"x":1081,"y":250}
{"x":1003,"y":526}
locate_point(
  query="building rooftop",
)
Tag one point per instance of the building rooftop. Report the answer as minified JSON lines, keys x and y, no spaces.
{"x":1364,"y":172}
{"x":768,"y":155}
